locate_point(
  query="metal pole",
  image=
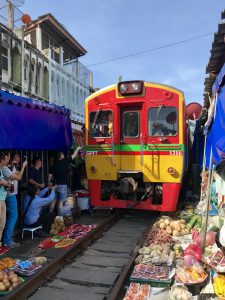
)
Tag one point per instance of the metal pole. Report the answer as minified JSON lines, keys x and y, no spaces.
{"x":10,"y":15}
{"x":203,"y":168}
{"x":22,"y":61}
{"x":209,"y":188}
{"x":208,"y":197}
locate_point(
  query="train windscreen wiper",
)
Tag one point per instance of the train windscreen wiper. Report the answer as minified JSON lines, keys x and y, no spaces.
{"x":157,"y":114}
{"x":95,"y":119}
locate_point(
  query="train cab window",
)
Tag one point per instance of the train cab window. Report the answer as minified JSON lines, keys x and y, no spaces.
{"x":101,"y":123}
{"x":131,"y":124}
{"x":162,"y":121}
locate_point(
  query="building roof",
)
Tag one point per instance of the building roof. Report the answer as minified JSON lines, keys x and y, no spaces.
{"x":216,"y":59}
{"x":49,"y":22}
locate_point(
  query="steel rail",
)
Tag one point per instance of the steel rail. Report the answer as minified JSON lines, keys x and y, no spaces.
{"x":37,"y":280}
{"x":117,"y":291}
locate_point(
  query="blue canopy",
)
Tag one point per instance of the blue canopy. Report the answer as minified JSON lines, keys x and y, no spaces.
{"x":27,"y":124}
{"x":216,"y":131}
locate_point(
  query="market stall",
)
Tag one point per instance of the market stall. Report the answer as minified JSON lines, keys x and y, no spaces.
{"x":28,"y":124}
{"x":172,"y":259}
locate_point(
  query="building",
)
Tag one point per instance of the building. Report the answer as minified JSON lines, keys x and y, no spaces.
{"x":70,"y":82}
{"x":41,"y":61}
{"x":216,"y":60}
{"x":22,"y":65}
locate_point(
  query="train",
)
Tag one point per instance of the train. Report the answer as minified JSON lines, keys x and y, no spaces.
{"x":136,"y":146}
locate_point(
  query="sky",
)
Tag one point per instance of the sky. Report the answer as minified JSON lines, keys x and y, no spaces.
{"x":117,"y":28}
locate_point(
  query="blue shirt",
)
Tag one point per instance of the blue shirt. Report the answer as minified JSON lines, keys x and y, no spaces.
{"x":37,"y":203}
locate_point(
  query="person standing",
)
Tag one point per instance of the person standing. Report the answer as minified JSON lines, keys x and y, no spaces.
{"x":60,"y":174}
{"x":35,"y":174}
{"x":11,"y":173}
{"x":4,"y":184}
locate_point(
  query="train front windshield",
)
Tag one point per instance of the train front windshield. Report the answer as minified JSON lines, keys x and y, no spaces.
{"x":101,"y":123}
{"x":162,"y":121}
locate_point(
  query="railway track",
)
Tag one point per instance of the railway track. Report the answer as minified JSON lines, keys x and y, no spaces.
{"x":95,"y":268}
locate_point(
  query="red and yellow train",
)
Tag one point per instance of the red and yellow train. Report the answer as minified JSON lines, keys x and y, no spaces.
{"x":136,"y":146}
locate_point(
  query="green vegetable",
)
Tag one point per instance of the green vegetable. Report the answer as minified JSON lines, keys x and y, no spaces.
{"x":192,"y":222}
{"x":198,"y":223}
{"x":186,"y":216}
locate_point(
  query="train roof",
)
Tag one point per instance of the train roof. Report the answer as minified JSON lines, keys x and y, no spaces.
{"x":113,"y":86}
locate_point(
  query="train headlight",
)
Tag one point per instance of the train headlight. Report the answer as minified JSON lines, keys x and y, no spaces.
{"x":93,"y":169}
{"x":135,"y":87}
{"x":123,"y":88}
{"x":171,"y":170}
{"x":131,"y":88}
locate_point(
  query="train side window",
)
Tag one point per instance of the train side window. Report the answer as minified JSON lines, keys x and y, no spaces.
{"x":131,"y":124}
{"x":162,"y":121}
{"x":101,"y":123}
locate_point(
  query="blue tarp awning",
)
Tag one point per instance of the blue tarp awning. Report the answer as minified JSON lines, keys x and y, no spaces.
{"x":216,"y":132}
{"x":27,"y":124}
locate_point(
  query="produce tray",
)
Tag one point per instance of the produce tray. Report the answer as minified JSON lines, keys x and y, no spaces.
{"x":7,"y":292}
{"x":153,"y":283}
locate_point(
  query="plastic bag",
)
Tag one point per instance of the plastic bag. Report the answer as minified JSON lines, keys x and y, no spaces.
{"x":194,"y":250}
{"x":222,"y":235}
{"x":179,"y":292}
{"x":190,"y":275}
{"x":210,"y":239}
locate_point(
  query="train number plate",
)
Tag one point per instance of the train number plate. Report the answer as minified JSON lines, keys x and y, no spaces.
{"x":174,"y":152}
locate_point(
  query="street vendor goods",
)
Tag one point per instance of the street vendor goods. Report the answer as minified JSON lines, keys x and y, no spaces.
{"x":179,"y":292}
{"x":65,"y":243}
{"x":30,"y":266}
{"x":192,"y":274}
{"x":8,"y":281}
{"x":140,"y":128}
{"x":172,"y":227}
{"x":217,"y":261}
{"x":73,"y":232}
{"x":210,"y":239}
{"x":194,"y":250}
{"x":40,"y":260}
{"x":163,"y":254}
{"x":6,"y":263}
{"x":57,"y":226}
{"x":219,"y":285}
{"x":148,"y":272}
{"x":56,"y":238}
{"x":138,"y":291}
{"x":157,"y":236}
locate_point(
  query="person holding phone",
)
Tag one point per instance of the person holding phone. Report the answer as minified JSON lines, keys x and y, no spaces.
{"x":12,"y":174}
{"x":59,"y":173}
{"x":33,"y":204}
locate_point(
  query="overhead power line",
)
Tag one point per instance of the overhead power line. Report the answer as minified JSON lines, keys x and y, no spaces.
{"x":150,"y":50}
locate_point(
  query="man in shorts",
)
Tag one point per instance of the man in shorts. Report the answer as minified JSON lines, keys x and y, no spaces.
{"x":59,"y":173}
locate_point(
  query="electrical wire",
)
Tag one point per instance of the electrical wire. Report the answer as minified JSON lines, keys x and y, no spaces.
{"x":149,"y":50}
